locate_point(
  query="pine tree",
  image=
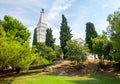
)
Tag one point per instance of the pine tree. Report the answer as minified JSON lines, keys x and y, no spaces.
{"x":49,"y":38}
{"x":14,"y":44}
{"x":113,"y":31}
{"x":34,"y":37}
{"x":15,"y":29}
{"x":65,"y":34}
{"x":90,"y":34}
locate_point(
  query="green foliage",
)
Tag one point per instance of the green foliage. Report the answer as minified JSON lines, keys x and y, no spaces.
{"x":65,"y":34}
{"x":35,"y":37}
{"x":45,"y":51}
{"x":49,"y":38}
{"x":49,"y":53}
{"x":14,"y":44}
{"x":100,"y":44}
{"x":113,"y":31}
{"x":107,"y":53}
{"x":76,"y":51}
{"x":2,"y":32}
{"x":90,"y":34}
{"x":58,"y":52}
{"x":16,"y":55}
{"x":15,"y":29}
{"x":23,"y":57}
{"x":5,"y":55}
{"x":39,"y":59}
{"x":5,"y":48}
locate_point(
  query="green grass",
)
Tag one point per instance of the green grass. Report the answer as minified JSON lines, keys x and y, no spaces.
{"x":55,"y":79}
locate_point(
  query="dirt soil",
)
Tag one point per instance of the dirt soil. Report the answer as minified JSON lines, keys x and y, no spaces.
{"x":88,"y":67}
{"x":66,"y":67}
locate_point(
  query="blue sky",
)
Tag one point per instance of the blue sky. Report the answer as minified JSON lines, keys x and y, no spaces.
{"x":77,"y":12}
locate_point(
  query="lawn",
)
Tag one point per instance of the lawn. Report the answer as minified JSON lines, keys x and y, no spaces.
{"x":56,"y":79}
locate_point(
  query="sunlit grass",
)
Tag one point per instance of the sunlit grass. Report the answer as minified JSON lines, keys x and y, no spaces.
{"x":56,"y":79}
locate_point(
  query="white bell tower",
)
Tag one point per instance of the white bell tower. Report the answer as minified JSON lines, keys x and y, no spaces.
{"x":41,"y":28}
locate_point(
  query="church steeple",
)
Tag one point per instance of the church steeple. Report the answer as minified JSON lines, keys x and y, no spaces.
{"x":42,"y":18}
{"x":41,"y":28}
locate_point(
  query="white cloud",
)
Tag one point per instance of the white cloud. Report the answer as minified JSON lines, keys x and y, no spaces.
{"x":57,"y":7}
{"x":18,"y":15}
{"x":104,"y":25}
{"x":22,"y":9}
{"x":24,"y":3}
{"x":56,"y":35}
{"x":75,"y":34}
{"x":53,"y":16}
{"x":109,"y":3}
{"x":104,"y":5}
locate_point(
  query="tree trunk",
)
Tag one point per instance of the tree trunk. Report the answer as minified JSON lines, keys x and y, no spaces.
{"x":18,"y":70}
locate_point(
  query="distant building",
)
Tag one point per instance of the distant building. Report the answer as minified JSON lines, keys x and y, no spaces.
{"x":79,"y":40}
{"x":41,"y":28}
{"x":90,"y":56}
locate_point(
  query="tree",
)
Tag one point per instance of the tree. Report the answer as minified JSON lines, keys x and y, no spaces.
{"x":35,"y":37}
{"x":58,"y":52}
{"x":65,"y":34}
{"x":13,"y":54}
{"x":45,"y":51}
{"x":49,"y":38}
{"x":99,"y":46}
{"x":14,"y":44}
{"x":90,"y":34}
{"x":2,"y":46}
{"x":15,"y":29}
{"x":108,"y":54}
{"x":22,"y":57}
{"x":76,"y":51}
{"x":113,"y":31}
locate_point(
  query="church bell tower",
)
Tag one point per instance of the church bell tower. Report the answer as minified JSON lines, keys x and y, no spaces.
{"x":41,"y":28}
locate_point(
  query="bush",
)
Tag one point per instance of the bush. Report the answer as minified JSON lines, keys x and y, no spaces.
{"x":76,"y":51}
{"x":40,"y":60}
{"x":45,"y":51}
{"x":58,"y":52}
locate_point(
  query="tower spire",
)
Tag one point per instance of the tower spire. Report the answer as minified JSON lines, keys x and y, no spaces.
{"x":42,"y":18}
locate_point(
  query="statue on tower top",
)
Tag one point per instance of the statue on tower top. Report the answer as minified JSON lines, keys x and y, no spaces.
{"x":42,"y":10}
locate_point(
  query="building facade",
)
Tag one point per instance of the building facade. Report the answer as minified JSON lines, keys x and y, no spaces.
{"x":41,"y":28}
{"x":79,"y":40}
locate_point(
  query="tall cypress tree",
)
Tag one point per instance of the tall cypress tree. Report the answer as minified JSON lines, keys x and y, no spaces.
{"x":35,"y":37}
{"x":65,"y":34}
{"x":90,"y":33}
{"x":49,"y":38}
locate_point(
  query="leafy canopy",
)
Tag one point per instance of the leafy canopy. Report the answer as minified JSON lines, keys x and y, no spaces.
{"x":100,"y":44}
{"x":15,"y":29}
{"x":14,"y":44}
{"x":76,"y":51}
{"x":45,"y":51}
{"x":113,"y":31}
